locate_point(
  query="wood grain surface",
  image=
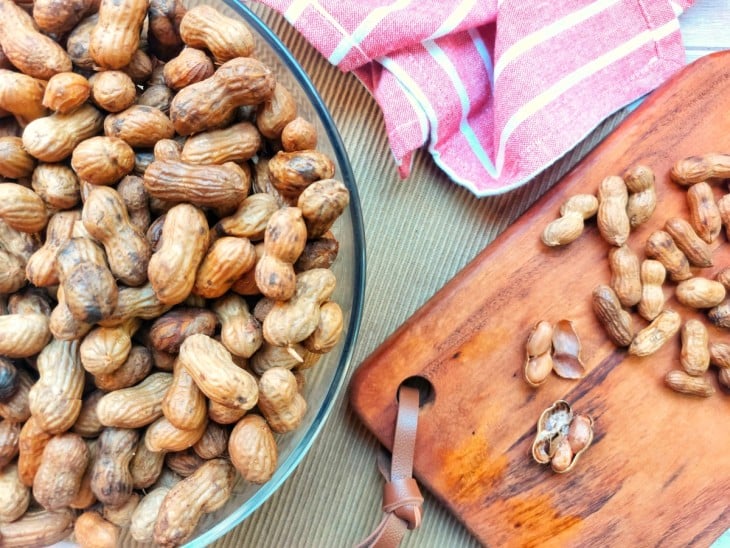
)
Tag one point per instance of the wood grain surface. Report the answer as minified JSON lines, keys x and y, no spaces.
{"x":658,"y":472}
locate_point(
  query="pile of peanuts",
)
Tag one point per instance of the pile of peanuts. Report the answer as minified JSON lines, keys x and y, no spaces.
{"x":676,"y":252}
{"x":166,"y":248}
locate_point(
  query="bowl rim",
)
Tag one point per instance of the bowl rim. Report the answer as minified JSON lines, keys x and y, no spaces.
{"x":286,"y":468}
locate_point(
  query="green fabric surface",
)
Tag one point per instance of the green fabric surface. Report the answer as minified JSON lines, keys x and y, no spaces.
{"x":420,"y":232}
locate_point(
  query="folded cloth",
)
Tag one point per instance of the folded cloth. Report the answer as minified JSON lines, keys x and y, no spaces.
{"x":497,"y":89}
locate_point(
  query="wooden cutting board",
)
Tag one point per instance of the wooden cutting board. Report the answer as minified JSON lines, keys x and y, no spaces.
{"x":658,"y":472}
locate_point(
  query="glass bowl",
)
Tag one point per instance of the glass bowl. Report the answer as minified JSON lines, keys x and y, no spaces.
{"x":324,"y":380}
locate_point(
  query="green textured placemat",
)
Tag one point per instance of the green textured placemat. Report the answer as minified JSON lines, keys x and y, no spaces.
{"x":420,"y":232}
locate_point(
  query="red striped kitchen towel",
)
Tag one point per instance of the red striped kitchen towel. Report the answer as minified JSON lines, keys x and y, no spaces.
{"x":496,"y":89}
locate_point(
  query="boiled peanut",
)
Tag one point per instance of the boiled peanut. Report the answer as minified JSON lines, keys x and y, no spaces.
{"x":294,"y":320}
{"x":41,"y":267}
{"x":235,"y":143}
{"x":77,"y":43}
{"x":681,"y":381}
{"x":113,"y":90}
{"x":615,"y":320}
{"x":252,"y":449}
{"x":206,"y":490}
{"x":172,"y":273}
{"x":699,"y":292}
{"x":145,"y":466}
{"x":63,"y":324}
{"x":66,"y":92}
{"x":16,"y":408}
{"x":18,"y":243}
{"x":284,"y":240}
{"x":213,"y":443}
{"x":111,"y":480}
{"x":105,"y":217}
{"x":163,"y":436}
{"x":93,"y":531}
{"x":205,"y":186}
{"x":33,"y":53}
{"x":224,"y":415}
{"x":121,"y":515}
{"x":723,"y":208}
{"x":280,"y":401}
{"x":14,"y":495}
{"x":240,"y":331}
{"x":139,"y":126}
{"x":12,"y":276}
{"x":642,"y":194}
{"x":115,"y":38}
{"x":135,"y":302}
{"x":661,"y":246}
{"x":656,"y":334}
{"x":9,"y":439}
{"x":211,"y":367}
{"x":299,"y":134}
{"x":135,"y":406}
{"x":190,"y":66}
{"x":62,"y":466}
{"x":613,"y":221}
{"x":695,"y":353}
{"x":318,"y":253}
{"x":183,"y":404}
{"x":183,"y":463}
{"x":276,"y":112}
{"x":170,"y":330}
{"x":31,"y":443}
{"x":157,"y":96}
{"x":291,"y":172}
{"x":21,"y":208}
{"x":87,"y":423}
{"x":105,"y":349}
{"x":328,"y":331}
{"x":703,"y":212}
{"x":57,"y":18}
{"x":132,"y":192}
{"x":268,"y":356}
{"x":23,"y":335}
{"x":625,"y":275}
{"x":139,"y":68}
{"x":720,"y":314}
{"x":55,"y":400}
{"x":165,"y":17}
{"x":53,"y":138}
{"x":226,"y":261}
{"x":652,"y":300}
{"x":38,"y":528}
{"x":321,"y":204}
{"x":205,"y":27}
{"x":135,"y":368}
{"x":15,"y":162}
{"x":240,"y":81}
{"x":145,"y":515}
{"x":720,"y":354}
{"x":57,"y":185}
{"x":695,"y":248}
{"x":250,"y":219}
{"x":102,"y":160}
{"x":22,"y":95}
{"x":697,"y":169}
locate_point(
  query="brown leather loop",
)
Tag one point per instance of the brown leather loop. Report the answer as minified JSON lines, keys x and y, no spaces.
{"x":402,"y":499}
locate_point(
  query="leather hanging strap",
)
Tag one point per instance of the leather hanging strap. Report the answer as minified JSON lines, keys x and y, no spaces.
{"x":402,"y":499}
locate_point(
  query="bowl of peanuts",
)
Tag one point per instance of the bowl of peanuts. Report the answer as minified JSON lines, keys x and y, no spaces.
{"x":182,"y":275}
